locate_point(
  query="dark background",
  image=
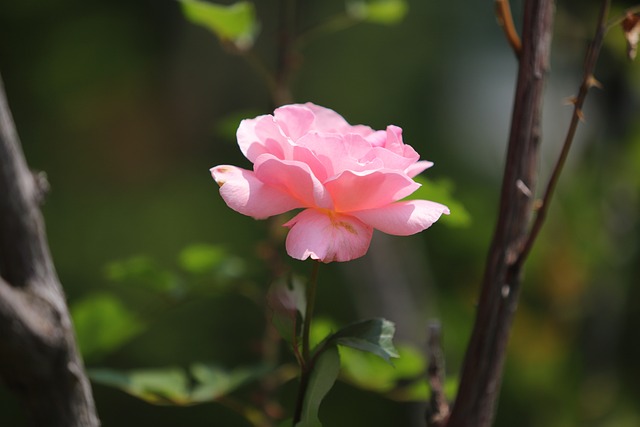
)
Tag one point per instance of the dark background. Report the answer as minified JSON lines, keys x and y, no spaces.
{"x":125,"y":105}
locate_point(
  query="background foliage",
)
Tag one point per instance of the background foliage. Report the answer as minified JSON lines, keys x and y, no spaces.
{"x":126,"y":105}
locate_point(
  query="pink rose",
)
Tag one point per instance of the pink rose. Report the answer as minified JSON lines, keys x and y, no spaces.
{"x":348,"y":179}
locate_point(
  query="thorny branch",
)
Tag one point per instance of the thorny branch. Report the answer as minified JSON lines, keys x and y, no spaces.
{"x":483,"y":365}
{"x":588,"y":82}
{"x":513,"y":238}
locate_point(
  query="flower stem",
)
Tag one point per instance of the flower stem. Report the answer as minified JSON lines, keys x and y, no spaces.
{"x":307,"y":362}
{"x":311,"y":301}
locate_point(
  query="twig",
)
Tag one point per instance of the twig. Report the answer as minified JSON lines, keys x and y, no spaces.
{"x":438,"y":411}
{"x":617,"y":21}
{"x":505,"y":20}
{"x":588,"y":81}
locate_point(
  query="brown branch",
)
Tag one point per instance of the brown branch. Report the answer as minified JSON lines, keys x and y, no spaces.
{"x":483,"y":364}
{"x":505,"y":20}
{"x":39,"y":360}
{"x":588,"y":81}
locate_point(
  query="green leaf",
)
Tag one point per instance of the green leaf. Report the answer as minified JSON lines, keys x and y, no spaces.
{"x":143,"y":271}
{"x":236,"y":23}
{"x":203,"y":259}
{"x":287,"y":300}
{"x":324,"y":375}
{"x":102,"y":324}
{"x":321,"y":328}
{"x":157,"y":386}
{"x":441,"y":191}
{"x":173,"y":386}
{"x":369,"y":372}
{"x":214,"y":381}
{"x":373,"y":336}
{"x":387,"y":12}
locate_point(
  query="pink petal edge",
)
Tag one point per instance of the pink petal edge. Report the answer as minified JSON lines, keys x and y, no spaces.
{"x":403,"y":218}
{"x":246,"y":194}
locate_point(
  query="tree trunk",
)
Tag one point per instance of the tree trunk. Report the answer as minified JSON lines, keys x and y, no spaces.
{"x":39,"y":359}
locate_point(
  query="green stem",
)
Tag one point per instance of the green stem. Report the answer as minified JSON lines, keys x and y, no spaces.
{"x":311,"y":301}
{"x":307,"y":361}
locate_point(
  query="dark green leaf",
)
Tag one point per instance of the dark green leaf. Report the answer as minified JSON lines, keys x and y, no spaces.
{"x":324,"y":375}
{"x":103,"y":323}
{"x":373,"y":336}
{"x":441,"y":191}
{"x":236,"y":23}
{"x":386,"y":12}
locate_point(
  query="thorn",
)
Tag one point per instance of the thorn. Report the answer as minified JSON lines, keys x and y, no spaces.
{"x":593,"y":82}
{"x":572,"y":100}
{"x":580,"y":115}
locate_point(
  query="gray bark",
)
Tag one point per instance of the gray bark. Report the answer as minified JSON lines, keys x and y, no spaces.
{"x":39,"y":359}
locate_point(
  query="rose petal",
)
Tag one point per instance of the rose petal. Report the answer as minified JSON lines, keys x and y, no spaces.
{"x":355,"y":191}
{"x":293,"y":178}
{"x":262,"y":135}
{"x":245,"y":193}
{"x":338,"y":153}
{"x":403,"y":218}
{"x":394,"y":140}
{"x":294,"y":120}
{"x":327,"y":120}
{"x":418,"y":167}
{"x":327,"y":236}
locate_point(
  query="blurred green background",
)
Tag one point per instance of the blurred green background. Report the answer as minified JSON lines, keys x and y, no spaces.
{"x":126,"y":105}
